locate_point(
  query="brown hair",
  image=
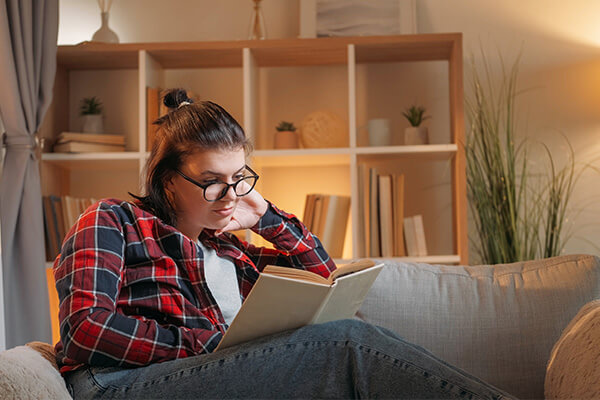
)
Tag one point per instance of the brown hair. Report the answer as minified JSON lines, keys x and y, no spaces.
{"x":187,"y":128}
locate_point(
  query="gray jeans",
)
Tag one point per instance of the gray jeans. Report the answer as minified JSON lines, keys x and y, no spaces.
{"x":341,"y":359}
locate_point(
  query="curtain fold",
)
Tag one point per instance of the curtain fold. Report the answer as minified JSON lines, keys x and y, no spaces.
{"x":28,"y":35}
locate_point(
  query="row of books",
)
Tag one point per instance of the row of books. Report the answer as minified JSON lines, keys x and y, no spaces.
{"x":385,"y":231}
{"x":326,"y":216}
{"x":60,"y":214}
{"x":75,"y":142}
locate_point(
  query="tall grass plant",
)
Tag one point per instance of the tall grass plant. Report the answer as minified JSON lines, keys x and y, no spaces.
{"x":519,"y":213}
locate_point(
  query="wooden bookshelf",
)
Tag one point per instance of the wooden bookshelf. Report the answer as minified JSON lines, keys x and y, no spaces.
{"x":261,"y":82}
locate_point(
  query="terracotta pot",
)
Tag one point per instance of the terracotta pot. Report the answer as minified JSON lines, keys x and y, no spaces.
{"x":416,"y":135}
{"x":286,"y":140}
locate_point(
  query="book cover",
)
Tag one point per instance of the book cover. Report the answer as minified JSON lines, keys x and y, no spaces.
{"x":363,"y":212}
{"x":398,"y":211}
{"x":420,"y":235}
{"x":410,"y":237}
{"x":309,"y":208}
{"x":386,"y":228}
{"x":336,"y":221}
{"x":152,"y":114}
{"x":84,"y":147}
{"x":374,"y":243}
{"x":288,"y":298}
{"x":59,"y":219}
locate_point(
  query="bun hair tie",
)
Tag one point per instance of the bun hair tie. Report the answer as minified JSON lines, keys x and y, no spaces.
{"x":183,"y":103}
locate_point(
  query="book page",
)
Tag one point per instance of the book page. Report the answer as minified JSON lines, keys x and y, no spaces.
{"x":275,"y":304}
{"x":295,"y":273}
{"x":346,"y":269}
{"x":347,"y":294}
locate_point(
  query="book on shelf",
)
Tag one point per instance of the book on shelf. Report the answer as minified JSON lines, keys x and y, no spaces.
{"x":374,"y":242}
{"x":363,"y":207}
{"x":326,"y":216}
{"x":289,"y":298}
{"x":85,"y":147}
{"x":381,"y":208}
{"x":101,"y":138}
{"x":152,"y":114}
{"x":60,"y":214}
{"x":420,"y":235}
{"x":386,"y":231}
{"x":414,"y":235}
{"x":398,"y":214}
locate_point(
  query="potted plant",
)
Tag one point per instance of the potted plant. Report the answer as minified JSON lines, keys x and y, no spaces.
{"x":415,"y":134}
{"x":91,"y":111}
{"x":286,"y":136}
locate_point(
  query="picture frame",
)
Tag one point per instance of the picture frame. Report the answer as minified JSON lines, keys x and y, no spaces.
{"x":326,"y":18}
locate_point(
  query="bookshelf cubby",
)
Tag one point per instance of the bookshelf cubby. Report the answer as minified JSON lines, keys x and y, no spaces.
{"x":263,"y":82}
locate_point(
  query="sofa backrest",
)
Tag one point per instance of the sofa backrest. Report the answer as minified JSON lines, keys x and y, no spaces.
{"x":496,"y":322}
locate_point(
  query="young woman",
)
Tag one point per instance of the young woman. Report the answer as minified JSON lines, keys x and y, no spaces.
{"x":147,"y":289}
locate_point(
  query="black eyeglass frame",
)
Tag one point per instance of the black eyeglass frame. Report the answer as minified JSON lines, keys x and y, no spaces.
{"x":225,"y":190}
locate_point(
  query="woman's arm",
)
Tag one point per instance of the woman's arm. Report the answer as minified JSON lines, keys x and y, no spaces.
{"x":89,"y":275}
{"x":295,"y":245}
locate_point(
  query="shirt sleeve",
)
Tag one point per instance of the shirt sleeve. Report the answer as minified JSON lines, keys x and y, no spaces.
{"x":88,"y":280}
{"x":295,"y":245}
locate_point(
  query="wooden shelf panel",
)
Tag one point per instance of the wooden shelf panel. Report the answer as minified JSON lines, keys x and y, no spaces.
{"x":88,"y":55}
{"x":268,"y":53}
{"x":301,"y":157}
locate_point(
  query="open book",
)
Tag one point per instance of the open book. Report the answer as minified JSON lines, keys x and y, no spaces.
{"x":289,"y":298}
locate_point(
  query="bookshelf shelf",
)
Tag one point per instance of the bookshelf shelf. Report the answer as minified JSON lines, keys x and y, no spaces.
{"x":263,"y":82}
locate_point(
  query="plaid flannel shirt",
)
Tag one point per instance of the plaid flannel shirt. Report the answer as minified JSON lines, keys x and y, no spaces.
{"x":132,"y":288}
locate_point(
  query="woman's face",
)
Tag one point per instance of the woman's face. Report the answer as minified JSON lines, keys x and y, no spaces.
{"x":193,"y":211}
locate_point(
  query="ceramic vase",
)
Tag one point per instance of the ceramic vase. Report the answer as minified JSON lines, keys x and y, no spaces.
{"x":105,"y":34}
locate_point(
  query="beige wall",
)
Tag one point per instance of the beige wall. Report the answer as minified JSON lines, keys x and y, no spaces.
{"x":559,"y":42}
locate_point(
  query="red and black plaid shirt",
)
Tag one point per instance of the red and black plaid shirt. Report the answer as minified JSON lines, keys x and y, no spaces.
{"x":132,"y":288}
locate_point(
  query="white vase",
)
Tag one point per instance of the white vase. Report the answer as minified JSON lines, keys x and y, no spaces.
{"x":416,"y":135}
{"x":286,"y":140}
{"x":105,"y":34}
{"x":379,"y":132}
{"x":93,"y":123}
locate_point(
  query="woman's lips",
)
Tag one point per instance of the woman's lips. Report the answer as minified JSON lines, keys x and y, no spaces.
{"x":224,"y":212}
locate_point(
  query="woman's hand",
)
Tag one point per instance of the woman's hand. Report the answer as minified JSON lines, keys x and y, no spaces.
{"x":248,"y":211}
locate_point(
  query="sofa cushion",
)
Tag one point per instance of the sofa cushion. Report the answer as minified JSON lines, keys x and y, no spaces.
{"x":574,"y":367}
{"x":496,"y":322}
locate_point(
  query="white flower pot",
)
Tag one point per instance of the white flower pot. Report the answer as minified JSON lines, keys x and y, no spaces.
{"x":416,"y":135}
{"x":286,"y":140}
{"x":93,"y":123}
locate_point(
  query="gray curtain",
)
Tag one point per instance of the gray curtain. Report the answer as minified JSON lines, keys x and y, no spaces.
{"x":28,"y":35}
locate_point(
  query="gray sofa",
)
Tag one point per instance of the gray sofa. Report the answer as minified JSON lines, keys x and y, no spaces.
{"x":499,"y":323}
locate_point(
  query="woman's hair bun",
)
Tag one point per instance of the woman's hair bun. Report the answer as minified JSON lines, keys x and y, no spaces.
{"x":174,"y":97}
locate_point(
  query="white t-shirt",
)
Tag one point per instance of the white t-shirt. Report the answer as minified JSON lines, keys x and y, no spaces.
{"x":222,"y":282}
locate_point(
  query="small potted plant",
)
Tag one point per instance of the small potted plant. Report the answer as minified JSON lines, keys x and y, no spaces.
{"x":415,"y":134}
{"x":286,"y":136}
{"x":91,"y":111}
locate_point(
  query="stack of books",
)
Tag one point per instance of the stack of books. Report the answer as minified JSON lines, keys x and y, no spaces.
{"x":326,"y":216}
{"x":60,"y":214}
{"x":74,"y":142}
{"x":385,"y":232}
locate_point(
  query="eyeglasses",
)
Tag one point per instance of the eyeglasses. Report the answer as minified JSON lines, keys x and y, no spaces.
{"x":217,"y":190}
